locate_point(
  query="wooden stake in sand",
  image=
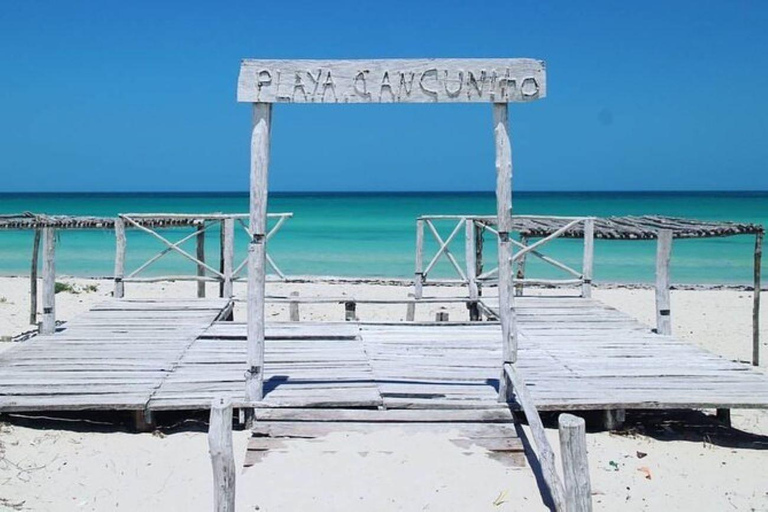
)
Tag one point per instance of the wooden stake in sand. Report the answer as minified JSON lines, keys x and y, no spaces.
{"x":756,"y":300}
{"x":573,"y":447}
{"x":222,"y":455}
{"x":119,"y":292}
{"x":33,"y":279}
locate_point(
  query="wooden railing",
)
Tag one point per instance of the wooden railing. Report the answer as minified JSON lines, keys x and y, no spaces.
{"x":473,"y":276}
{"x":226,"y":274}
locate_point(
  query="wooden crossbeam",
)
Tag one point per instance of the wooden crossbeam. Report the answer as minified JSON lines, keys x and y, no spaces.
{"x":165,"y":251}
{"x":444,"y":248}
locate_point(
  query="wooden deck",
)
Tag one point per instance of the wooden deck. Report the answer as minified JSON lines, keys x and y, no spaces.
{"x":173,"y":355}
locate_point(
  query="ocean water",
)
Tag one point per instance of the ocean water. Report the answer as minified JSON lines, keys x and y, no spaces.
{"x":373,"y":234}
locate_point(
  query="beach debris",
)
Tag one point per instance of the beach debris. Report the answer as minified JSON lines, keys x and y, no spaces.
{"x":500,"y":499}
{"x":641,"y":455}
{"x":14,"y":505}
{"x":614,"y":465}
{"x":645,"y":470}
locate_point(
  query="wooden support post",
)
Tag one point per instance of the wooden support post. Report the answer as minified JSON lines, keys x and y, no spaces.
{"x":201,"y":257}
{"x":222,"y":455}
{"x":228,"y":257}
{"x":520,"y":270}
{"x":663,"y":303}
{"x":756,"y":300}
{"x":410,"y":309}
{"x":588,"y":260}
{"x":120,"y":244}
{"x":479,"y":232}
{"x":33,"y":279}
{"x":293,"y":308}
{"x":221,"y":257}
{"x":471,"y":264}
{"x":724,"y":417}
{"x":48,"y":325}
{"x":613,"y":419}
{"x":573,"y":448}
{"x":504,"y":223}
{"x":418,"y":281}
{"x":257,"y":250}
{"x":143,"y":421}
{"x":350,"y":311}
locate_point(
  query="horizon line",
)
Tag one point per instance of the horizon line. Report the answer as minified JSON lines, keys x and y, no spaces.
{"x":388,"y":192}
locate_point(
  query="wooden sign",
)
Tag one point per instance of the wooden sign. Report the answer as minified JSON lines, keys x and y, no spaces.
{"x":392,"y":81}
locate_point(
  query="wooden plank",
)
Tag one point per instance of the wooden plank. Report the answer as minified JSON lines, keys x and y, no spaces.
{"x":391,"y":81}
{"x":497,"y":415}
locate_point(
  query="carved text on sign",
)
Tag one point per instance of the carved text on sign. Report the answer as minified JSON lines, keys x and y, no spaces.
{"x":392,"y":81}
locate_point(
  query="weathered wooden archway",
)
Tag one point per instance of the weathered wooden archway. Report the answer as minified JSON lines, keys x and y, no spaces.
{"x":495,"y":81}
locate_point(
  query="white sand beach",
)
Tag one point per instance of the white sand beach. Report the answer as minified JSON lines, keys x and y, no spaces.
{"x":60,"y":466}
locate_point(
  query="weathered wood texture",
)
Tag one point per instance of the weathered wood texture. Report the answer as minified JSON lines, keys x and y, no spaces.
{"x":545,"y":454}
{"x":504,"y":224}
{"x":222,"y":455}
{"x":33,"y":278}
{"x":575,"y":353}
{"x":200,"y":255}
{"x":588,"y":258}
{"x":257,"y":249}
{"x":756,"y":300}
{"x":573,"y":450}
{"x":48,"y":324}
{"x":228,"y":256}
{"x":663,"y":302}
{"x":392,"y":81}
{"x":120,"y":245}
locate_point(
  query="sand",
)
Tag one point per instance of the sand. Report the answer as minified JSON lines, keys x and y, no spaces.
{"x":657,"y":465}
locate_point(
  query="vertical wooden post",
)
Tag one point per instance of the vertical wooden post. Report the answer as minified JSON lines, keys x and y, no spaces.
{"x":257,"y":249}
{"x":222,"y":455}
{"x":120,"y":244}
{"x":228,"y":256}
{"x":573,"y":448}
{"x":418,"y":282}
{"x":418,"y":278}
{"x":504,"y":222}
{"x":221,"y":257}
{"x":200,"y":257}
{"x":470,"y":255}
{"x":33,"y":279}
{"x":479,"y":232}
{"x":48,"y":325}
{"x":520,"y":270}
{"x":756,"y":300}
{"x":588,"y":260}
{"x":663,"y":255}
{"x":350,"y":311}
{"x":442,"y":316}
{"x":293,"y":308}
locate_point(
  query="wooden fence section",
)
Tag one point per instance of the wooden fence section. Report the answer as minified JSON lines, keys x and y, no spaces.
{"x":225,"y":274}
{"x":473,"y":274}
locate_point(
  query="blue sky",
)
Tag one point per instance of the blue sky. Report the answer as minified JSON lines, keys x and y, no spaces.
{"x":140,"y":96}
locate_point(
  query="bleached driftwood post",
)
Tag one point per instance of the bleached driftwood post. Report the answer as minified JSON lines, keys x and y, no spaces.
{"x":33,"y":279}
{"x":573,"y":449}
{"x":471,"y":264}
{"x":418,"y":276}
{"x":293,"y":308}
{"x":200,"y":245}
{"x":119,"y":291}
{"x":756,"y":300}
{"x":228,"y":256}
{"x":257,"y":249}
{"x":222,"y":455}
{"x":663,"y":255}
{"x":588,"y":260}
{"x":48,"y":325}
{"x":504,"y":216}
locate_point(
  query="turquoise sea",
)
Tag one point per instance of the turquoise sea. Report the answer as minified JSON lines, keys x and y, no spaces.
{"x":373,"y":234}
